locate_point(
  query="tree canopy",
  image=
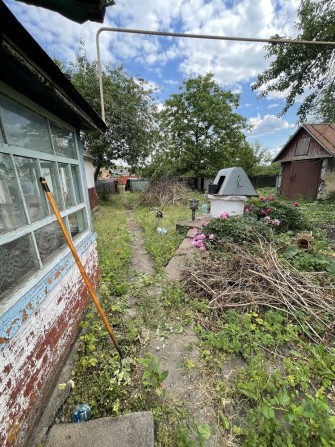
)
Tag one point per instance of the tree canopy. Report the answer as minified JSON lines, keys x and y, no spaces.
{"x":303,"y":69}
{"x":200,"y":131}
{"x":129,"y":109}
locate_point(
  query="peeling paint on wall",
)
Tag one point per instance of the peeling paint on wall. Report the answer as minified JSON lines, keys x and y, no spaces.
{"x":12,"y":320}
{"x":39,"y":339}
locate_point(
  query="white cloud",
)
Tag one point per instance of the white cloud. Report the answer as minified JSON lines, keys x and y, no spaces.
{"x":231,"y":62}
{"x":273,"y":106}
{"x":269,"y":124}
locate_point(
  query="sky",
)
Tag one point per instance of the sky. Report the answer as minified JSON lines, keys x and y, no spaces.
{"x":166,"y":62}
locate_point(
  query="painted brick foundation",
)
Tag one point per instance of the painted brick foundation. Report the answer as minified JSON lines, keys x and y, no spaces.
{"x":94,"y":201}
{"x":32,"y":359}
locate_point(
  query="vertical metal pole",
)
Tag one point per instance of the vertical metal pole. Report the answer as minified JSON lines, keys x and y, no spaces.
{"x":100,"y":76}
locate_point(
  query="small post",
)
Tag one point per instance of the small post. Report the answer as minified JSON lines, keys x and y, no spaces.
{"x":193,"y":205}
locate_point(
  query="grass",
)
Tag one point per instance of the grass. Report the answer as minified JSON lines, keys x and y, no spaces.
{"x":280,"y":391}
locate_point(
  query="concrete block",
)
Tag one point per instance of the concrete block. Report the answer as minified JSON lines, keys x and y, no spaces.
{"x":129,"y":430}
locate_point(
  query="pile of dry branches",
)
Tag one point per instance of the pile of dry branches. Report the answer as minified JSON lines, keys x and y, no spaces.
{"x":165,"y":192}
{"x":243,"y":279}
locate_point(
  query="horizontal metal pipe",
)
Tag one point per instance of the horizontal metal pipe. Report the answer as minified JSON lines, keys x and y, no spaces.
{"x":192,"y":36}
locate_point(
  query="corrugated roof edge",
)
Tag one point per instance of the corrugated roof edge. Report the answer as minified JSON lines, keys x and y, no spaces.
{"x":12,"y":30}
{"x":306,"y":127}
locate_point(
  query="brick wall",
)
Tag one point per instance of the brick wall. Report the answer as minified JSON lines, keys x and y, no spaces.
{"x":33,"y":358}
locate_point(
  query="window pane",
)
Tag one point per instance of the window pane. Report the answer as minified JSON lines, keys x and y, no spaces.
{"x":63,"y":141}
{"x":76,"y":184}
{"x":49,"y":240}
{"x":77,"y":222}
{"x":66,"y":185}
{"x":50,"y":173}
{"x":34,"y":195}
{"x":25,"y":128}
{"x":18,"y":262}
{"x":11,"y":210}
{"x":2,"y":139}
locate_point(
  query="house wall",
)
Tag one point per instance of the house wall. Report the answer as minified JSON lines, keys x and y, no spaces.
{"x":315,"y":150}
{"x":33,"y":349}
{"x":92,"y":194}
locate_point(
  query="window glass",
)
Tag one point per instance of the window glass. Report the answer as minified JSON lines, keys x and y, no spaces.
{"x":77,"y":222}
{"x":34,"y":196}
{"x":64,"y":174}
{"x":17,"y":261}
{"x":76,"y":184}
{"x":25,"y":128}
{"x":49,"y":240}
{"x":50,"y":173}
{"x":63,"y":141}
{"x":12,"y":214}
{"x":2,"y":138}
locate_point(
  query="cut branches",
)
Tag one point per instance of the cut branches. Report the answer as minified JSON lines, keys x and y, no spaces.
{"x":249,"y":277}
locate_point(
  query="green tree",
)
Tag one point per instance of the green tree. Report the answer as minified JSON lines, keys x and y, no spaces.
{"x":129,"y":109}
{"x":296,"y":69}
{"x":200,"y":130}
{"x":325,"y":109}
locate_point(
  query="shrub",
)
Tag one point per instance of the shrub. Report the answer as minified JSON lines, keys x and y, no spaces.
{"x":235,"y":229}
{"x":273,"y":209}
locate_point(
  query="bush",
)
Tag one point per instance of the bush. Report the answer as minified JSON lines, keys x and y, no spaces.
{"x":235,"y":229}
{"x":283,"y":215}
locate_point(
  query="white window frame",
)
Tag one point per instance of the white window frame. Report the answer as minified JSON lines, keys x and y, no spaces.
{"x":8,"y":301}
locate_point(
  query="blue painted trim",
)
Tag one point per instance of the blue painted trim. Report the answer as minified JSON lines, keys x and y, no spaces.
{"x":11,"y":321}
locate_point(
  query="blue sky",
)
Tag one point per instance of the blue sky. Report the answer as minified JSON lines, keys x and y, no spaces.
{"x":166,"y":62}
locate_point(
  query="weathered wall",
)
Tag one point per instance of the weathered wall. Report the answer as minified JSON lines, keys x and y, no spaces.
{"x":94,"y":201}
{"x":33,"y":357}
{"x":327,"y":179}
{"x":315,"y":150}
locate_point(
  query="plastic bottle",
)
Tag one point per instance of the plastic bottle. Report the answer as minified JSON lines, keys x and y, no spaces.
{"x":204,"y":208}
{"x":81,"y":413}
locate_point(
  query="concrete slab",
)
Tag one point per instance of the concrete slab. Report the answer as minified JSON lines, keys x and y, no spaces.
{"x":130,"y":430}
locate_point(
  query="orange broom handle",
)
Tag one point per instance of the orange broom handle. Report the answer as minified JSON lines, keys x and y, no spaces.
{"x":78,"y":262}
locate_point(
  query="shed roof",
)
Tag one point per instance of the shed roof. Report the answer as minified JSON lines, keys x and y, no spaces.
{"x":324,"y":134}
{"x":27,"y":68}
{"x":76,"y":10}
{"x":234,"y":182}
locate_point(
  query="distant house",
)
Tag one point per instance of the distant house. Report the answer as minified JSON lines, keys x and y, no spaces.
{"x":42,"y":295}
{"x":307,"y":163}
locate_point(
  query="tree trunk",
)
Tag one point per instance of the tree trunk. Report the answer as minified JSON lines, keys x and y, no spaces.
{"x":97,"y":170}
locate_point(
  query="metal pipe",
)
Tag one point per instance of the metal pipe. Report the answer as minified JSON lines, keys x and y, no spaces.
{"x":191,"y":36}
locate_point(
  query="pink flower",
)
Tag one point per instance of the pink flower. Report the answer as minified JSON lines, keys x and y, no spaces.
{"x":262,"y":212}
{"x":202,"y":248}
{"x":271,"y":198}
{"x":262,"y":199}
{"x":200,"y":237}
{"x":211,"y":237}
{"x":196,"y":231}
{"x":296,"y":204}
{"x":269,"y":210}
{"x":267,"y":218}
{"x":204,"y":223}
{"x":224,"y":215}
{"x":247,"y":208}
{"x":276,"y":222}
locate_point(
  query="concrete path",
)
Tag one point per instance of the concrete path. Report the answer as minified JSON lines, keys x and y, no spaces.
{"x":186,"y":387}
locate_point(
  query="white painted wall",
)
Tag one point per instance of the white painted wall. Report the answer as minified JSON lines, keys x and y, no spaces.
{"x":233,"y":205}
{"x":89,"y":171}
